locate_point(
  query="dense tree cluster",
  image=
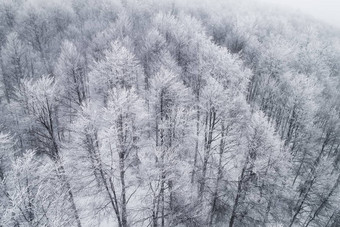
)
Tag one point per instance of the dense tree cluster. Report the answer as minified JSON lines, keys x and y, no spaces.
{"x":165,"y":113}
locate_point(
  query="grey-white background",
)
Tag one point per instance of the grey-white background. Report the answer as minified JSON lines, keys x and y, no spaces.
{"x":325,"y":10}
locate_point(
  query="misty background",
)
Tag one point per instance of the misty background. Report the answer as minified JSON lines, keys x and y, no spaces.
{"x":325,"y":10}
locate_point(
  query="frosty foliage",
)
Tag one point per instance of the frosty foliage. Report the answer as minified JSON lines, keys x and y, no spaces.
{"x":167,"y":113}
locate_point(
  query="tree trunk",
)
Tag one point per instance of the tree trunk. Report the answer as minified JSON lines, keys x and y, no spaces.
{"x":196,"y":140}
{"x":219,"y":177}
{"x":4,"y":78}
{"x":238,"y":194}
{"x":123,"y":192}
{"x":63,"y":176}
{"x":210,"y":125}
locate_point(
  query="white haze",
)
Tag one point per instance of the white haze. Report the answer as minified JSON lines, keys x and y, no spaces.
{"x":325,"y":10}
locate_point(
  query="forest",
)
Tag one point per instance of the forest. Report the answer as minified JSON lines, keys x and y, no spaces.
{"x":179,"y":113}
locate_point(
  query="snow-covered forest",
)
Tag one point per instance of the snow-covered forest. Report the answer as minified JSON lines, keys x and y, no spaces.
{"x":167,"y":113}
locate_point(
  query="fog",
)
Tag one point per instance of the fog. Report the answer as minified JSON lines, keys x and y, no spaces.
{"x":149,"y":113}
{"x":325,"y":10}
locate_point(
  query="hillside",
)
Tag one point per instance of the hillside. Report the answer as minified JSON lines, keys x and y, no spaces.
{"x":167,"y":113}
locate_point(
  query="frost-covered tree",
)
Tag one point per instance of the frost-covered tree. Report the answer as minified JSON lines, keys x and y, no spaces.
{"x":170,"y":132}
{"x":111,"y":145}
{"x":17,"y":64}
{"x":167,"y":113}
{"x":118,"y":69}
{"x":39,"y":100}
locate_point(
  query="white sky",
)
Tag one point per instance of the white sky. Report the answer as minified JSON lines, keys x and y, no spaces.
{"x":325,"y":10}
